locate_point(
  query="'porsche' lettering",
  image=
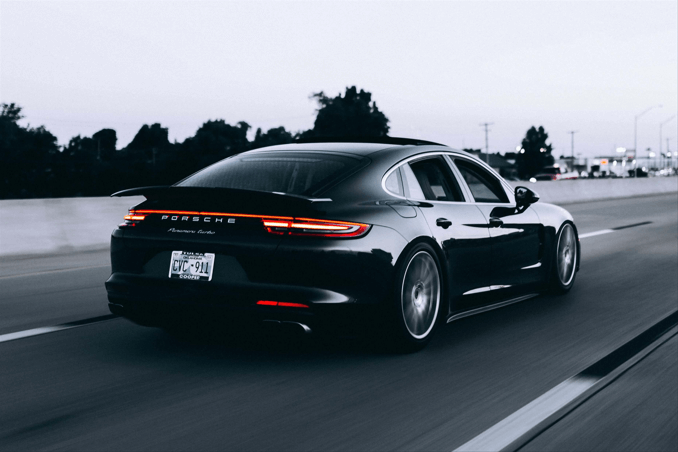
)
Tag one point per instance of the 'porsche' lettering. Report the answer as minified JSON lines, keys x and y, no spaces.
{"x":196,"y":219}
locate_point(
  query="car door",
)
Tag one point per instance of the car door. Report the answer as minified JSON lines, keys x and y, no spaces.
{"x":516,"y":234}
{"x":458,"y":226}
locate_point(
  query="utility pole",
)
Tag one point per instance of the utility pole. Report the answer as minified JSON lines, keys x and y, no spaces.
{"x":635,"y":127}
{"x":660,"y":134}
{"x":572,"y":132}
{"x":487,"y":148}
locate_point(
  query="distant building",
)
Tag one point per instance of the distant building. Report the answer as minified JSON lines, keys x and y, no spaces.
{"x":504,"y":166}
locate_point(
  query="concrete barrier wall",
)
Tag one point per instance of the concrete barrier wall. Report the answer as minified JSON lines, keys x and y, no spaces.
{"x":60,"y":225}
{"x":584,"y":190}
{"x":53,"y":226}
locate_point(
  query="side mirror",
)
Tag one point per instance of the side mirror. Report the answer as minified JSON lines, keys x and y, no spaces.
{"x":525,"y":196}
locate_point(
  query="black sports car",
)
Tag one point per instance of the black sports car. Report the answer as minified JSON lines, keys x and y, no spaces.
{"x":400,"y":234}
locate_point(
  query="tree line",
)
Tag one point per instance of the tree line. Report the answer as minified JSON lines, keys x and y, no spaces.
{"x":33,"y":165}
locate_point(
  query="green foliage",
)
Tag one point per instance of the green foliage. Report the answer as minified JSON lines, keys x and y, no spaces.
{"x":27,"y":156}
{"x":216,"y":140}
{"x":33,"y":165}
{"x":537,"y":153}
{"x":106,"y":140}
{"x":354,"y":115}
{"x":11,"y":113}
{"x":147,"y":139}
{"x":274,"y":136}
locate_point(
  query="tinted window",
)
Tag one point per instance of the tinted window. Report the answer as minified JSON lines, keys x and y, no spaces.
{"x":484,"y":187}
{"x":435,"y":180}
{"x":412,"y":188}
{"x":297,"y":173}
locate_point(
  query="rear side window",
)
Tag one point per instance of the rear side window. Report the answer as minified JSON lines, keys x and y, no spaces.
{"x":412,"y":190}
{"x":484,"y":187}
{"x":394,"y":184}
{"x":436,"y":180}
{"x":296,"y":173}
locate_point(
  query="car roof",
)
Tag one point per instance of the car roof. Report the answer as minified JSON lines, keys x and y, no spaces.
{"x":358,"y":147}
{"x":361,"y":149}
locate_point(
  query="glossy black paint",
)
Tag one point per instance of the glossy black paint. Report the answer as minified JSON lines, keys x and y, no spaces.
{"x":489,"y":252}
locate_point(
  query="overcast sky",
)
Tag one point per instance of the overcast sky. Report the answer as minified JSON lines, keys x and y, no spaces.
{"x":436,"y":69}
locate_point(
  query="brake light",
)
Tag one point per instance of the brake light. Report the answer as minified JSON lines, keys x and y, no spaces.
{"x":209,"y":214}
{"x":273,"y":224}
{"x":267,"y":303}
{"x":135,"y":217}
{"x":281,"y":304}
{"x":132,"y":219}
{"x":316,"y":228}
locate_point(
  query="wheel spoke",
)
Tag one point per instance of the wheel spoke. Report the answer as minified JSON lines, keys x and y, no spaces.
{"x":566,"y":254}
{"x":420,"y":286}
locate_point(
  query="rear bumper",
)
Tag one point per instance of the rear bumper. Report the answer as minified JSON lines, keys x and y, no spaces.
{"x":338,"y":280}
{"x":153,"y":302}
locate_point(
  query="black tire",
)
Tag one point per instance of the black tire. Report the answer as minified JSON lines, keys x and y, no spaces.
{"x":565,"y":260}
{"x":416,"y":301}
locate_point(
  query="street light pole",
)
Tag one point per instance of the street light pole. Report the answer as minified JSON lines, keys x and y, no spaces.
{"x":660,"y":132}
{"x":487,"y":149}
{"x":572,"y":132}
{"x":635,"y":127}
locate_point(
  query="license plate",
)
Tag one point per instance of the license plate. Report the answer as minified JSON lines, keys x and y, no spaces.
{"x":193,"y":266}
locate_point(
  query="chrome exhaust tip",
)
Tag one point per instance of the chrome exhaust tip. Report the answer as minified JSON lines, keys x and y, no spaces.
{"x":305,"y":328}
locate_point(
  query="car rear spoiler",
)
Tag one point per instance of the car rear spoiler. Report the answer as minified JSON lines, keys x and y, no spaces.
{"x":164,"y":191}
{"x":205,"y":198}
{"x":148,"y":192}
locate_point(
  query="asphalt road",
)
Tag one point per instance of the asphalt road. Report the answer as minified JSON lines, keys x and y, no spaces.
{"x":114,"y":385}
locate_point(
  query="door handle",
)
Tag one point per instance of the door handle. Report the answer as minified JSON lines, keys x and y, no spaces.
{"x":495,"y":222}
{"x":443,"y":223}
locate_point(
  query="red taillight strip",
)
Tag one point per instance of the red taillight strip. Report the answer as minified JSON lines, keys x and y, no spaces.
{"x":212,"y":214}
{"x":283,"y":304}
{"x":273,"y":224}
{"x":267,"y":303}
{"x":170,"y":212}
{"x":328,"y":221}
{"x":322,"y":227}
{"x":316,"y":228}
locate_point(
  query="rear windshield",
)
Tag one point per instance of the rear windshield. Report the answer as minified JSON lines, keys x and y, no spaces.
{"x":296,"y":173}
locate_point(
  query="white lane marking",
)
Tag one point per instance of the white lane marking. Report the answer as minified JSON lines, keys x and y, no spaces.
{"x":595,"y":233}
{"x":514,"y":431}
{"x":28,"y":333}
{"x":53,"y":271}
{"x":49,"y":329}
{"x":523,"y":420}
